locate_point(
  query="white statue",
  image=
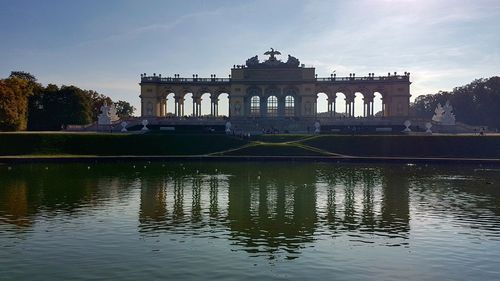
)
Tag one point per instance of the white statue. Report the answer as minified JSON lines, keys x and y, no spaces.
{"x":228,"y":127}
{"x":112,"y":113}
{"x":448,"y":116}
{"x":107,"y":115}
{"x":407,"y":124}
{"x":144,"y":123}
{"x":103,"y":118}
{"x":317,"y":127}
{"x":124,"y":126}
{"x":428,"y":126}
{"x":438,"y":113}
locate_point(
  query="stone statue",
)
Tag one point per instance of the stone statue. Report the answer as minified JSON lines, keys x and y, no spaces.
{"x":144,"y":123}
{"x":317,"y":127}
{"x":438,"y":113}
{"x":407,"y":124}
{"x":103,"y":118}
{"x":107,"y":115}
{"x":292,"y":61}
{"x":253,"y":61}
{"x":444,"y":115}
{"x":428,"y":126}
{"x":271,"y":54}
{"x":113,"y":113}
{"x":448,"y":116}
{"x":124,"y":126}
{"x":228,"y":127}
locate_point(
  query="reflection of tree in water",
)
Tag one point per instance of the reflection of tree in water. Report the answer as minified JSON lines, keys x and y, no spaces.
{"x":70,"y":189}
{"x":15,"y":204}
{"x":470,"y":196}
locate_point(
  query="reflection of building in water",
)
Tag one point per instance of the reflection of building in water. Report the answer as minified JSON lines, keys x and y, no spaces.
{"x":395,"y":213}
{"x":272,"y":210}
{"x":153,"y":206}
{"x":278,"y":209}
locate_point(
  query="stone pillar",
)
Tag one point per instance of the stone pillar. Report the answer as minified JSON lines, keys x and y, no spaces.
{"x":193,"y":113}
{"x":263,"y":106}
{"x":281,"y":106}
{"x":162,"y":107}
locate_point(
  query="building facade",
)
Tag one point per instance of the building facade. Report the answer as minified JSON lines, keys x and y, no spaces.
{"x":275,"y":89}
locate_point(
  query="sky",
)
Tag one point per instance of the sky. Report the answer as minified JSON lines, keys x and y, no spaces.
{"x":106,"y":45}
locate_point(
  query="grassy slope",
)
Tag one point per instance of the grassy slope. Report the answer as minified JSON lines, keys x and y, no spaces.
{"x":115,"y":144}
{"x":274,"y":149}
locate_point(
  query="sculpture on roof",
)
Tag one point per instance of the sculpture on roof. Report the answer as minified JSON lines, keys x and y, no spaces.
{"x":292,"y":61}
{"x":253,"y":61}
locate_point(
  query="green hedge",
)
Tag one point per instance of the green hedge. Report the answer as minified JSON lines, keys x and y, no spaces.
{"x":114,"y":144}
{"x":410,"y":146}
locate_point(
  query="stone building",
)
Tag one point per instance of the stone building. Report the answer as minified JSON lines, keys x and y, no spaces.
{"x":276,"y":89}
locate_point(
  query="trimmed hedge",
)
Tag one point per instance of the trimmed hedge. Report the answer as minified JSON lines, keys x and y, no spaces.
{"x":410,"y":146}
{"x":115,"y":144}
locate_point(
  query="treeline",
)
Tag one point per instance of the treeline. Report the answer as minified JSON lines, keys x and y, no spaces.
{"x":477,"y":103}
{"x":27,"y":105}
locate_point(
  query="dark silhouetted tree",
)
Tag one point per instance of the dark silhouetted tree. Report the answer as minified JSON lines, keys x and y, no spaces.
{"x":477,"y":103}
{"x":124,"y":109}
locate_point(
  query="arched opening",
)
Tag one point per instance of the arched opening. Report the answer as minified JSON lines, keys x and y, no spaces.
{"x":206,"y":103}
{"x":223,"y":105}
{"x":289,"y":106}
{"x":188,"y":105}
{"x":170,"y":111}
{"x":377,"y":105}
{"x":340,"y":107}
{"x":322,"y":105}
{"x":255,"y":106}
{"x":272,"y":106}
{"x":358,"y":105}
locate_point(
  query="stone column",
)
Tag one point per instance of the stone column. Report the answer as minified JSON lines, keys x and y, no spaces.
{"x":194,"y":107}
{"x":263,"y":106}
{"x":162,"y":107}
{"x":281,"y":106}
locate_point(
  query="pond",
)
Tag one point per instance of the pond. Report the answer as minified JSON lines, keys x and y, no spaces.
{"x":249,"y":221}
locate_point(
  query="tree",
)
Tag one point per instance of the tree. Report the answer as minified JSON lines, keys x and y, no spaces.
{"x":476,"y":103}
{"x":23,"y":75}
{"x":14,"y":93}
{"x":53,"y":108}
{"x":124,"y":109}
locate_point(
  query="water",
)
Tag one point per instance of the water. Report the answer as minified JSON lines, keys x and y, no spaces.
{"x":249,"y":221}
